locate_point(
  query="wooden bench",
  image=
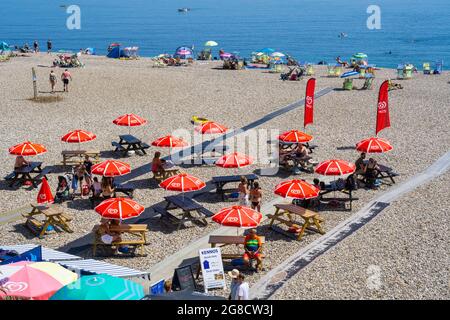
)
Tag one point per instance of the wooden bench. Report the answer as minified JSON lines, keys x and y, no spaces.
{"x":138,"y":231}
{"x":312,"y":220}
{"x":222,"y":241}
{"x":54,"y":216}
{"x":163,"y":175}
{"x":74,"y":157}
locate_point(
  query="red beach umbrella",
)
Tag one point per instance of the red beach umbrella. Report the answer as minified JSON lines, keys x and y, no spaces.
{"x":295,"y":136}
{"x":234,"y":160}
{"x":238,"y":216}
{"x":182,"y":182}
{"x":111,"y":168}
{"x":129,"y":120}
{"x":374,"y":145}
{"x":298,"y":189}
{"x":45,"y":193}
{"x":211,"y":127}
{"x":119,"y":208}
{"x":335,"y":168}
{"x":78,"y":136}
{"x":170,"y":142}
{"x":27,"y":149}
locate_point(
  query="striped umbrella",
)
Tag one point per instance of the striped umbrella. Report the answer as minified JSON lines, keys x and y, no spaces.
{"x":211,"y":127}
{"x":78,"y":136}
{"x":374,"y":145}
{"x":34,"y":280}
{"x":335,"y":168}
{"x":234,"y":160}
{"x":238,"y":216}
{"x":182,"y":182}
{"x":111,"y":168}
{"x":298,"y":189}
{"x":119,"y":208}
{"x":100,"y":287}
{"x":129,"y":120}
{"x":295,"y":136}
{"x":170,"y":142}
{"x":27,"y":149}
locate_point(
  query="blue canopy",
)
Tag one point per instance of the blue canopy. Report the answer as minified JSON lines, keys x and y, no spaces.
{"x":184,"y":53}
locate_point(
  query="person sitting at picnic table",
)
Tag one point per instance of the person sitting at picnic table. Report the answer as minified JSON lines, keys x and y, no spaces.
{"x":371,"y":172}
{"x":20,"y":162}
{"x":360,"y":167}
{"x":106,"y":235}
{"x":157,"y":163}
{"x":256,"y":196}
{"x":283,"y":154}
{"x":243,"y":192}
{"x":107,"y":188}
{"x":88,"y":164}
{"x":252,"y":247}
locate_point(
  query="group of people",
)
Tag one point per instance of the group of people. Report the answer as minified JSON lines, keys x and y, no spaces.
{"x":299,"y":153}
{"x":368,"y":170}
{"x":26,"y":47}
{"x":250,"y":196}
{"x":65,"y":78}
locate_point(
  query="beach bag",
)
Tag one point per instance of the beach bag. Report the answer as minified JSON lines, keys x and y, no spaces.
{"x":350,"y":183}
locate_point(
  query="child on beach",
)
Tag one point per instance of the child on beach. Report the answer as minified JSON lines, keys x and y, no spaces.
{"x":65,"y":77}
{"x":256,"y":196}
{"x":53,"y":80}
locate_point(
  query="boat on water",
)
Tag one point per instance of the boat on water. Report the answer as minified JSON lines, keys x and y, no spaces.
{"x":184,"y":9}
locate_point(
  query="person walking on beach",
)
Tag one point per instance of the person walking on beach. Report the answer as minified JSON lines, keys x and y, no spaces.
{"x":53,"y":79}
{"x":36,"y":46}
{"x":256,"y":196}
{"x":49,"y":46}
{"x":65,"y":77}
{"x":234,"y":284}
{"x":243,"y":289}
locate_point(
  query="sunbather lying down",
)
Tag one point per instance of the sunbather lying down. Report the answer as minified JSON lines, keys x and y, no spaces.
{"x":394,"y":86}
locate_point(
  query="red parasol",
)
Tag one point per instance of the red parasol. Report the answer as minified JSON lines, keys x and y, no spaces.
{"x":27,"y":149}
{"x":335,"y":168}
{"x":119,"y":208}
{"x":111,"y":168}
{"x":78,"y":136}
{"x":129,"y":120}
{"x":170,"y":142}
{"x":374,"y":145}
{"x":234,"y":160}
{"x":295,"y":136}
{"x":298,"y":189}
{"x":45,"y":193}
{"x":211,"y":127}
{"x":238,"y":216}
{"x":182,"y":182}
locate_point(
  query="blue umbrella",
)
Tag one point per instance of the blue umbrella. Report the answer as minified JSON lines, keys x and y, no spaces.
{"x":349,"y":74}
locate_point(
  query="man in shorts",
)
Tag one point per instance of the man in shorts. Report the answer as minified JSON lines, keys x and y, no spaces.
{"x":252,"y":246}
{"x":65,"y":77}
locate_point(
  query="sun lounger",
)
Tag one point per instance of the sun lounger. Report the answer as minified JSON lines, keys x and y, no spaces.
{"x":426,"y":68}
{"x":438,"y":67}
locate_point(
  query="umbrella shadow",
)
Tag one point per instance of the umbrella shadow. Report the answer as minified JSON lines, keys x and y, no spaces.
{"x":80,"y":204}
{"x":346,"y":148}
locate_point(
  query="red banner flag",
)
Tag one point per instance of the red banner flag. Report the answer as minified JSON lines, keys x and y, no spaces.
{"x":383,"y":120}
{"x":309,"y":102}
{"x":45,"y":193}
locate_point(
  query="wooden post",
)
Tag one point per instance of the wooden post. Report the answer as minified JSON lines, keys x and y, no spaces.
{"x":34,"y":83}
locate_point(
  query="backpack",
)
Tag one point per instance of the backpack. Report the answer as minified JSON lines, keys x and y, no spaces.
{"x":350,"y":183}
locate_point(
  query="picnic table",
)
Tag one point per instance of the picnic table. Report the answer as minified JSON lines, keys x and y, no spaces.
{"x":201,"y":156}
{"x":221,"y":181}
{"x":348,"y":196}
{"x":54,"y":216}
{"x":285,"y":214}
{"x":74,"y":157}
{"x":129,"y":142}
{"x":135,"y":234}
{"x":191,"y":210}
{"x":384,"y":172}
{"x":23,"y":174}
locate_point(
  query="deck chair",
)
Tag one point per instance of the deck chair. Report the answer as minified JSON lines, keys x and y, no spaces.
{"x":331,"y":71}
{"x":426,"y":68}
{"x":309,"y":70}
{"x":438,"y":67}
{"x":368,"y":84}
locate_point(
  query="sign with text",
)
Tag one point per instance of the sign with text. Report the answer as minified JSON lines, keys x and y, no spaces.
{"x":212,"y":268}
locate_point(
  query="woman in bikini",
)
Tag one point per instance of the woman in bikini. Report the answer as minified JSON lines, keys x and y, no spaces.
{"x":256,"y":196}
{"x":243,"y":192}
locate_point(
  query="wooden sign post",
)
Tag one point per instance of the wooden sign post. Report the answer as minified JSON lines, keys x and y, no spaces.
{"x":34,"y":83}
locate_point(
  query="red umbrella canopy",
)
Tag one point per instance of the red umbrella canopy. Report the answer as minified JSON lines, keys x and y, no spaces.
{"x":298,"y":189}
{"x":119,"y":208}
{"x":335,"y":168}
{"x":211,"y":127}
{"x":130,"y":120}
{"x":45,"y":193}
{"x":234,"y":160}
{"x":182,"y":182}
{"x":27,"y":149}
{"x":374,"y":145}
{"x":238,"y":216}
{"x":169,"y":141}
{"x":111,"y":168}
{"x":78,"y":136}
{"x":295,"y":136}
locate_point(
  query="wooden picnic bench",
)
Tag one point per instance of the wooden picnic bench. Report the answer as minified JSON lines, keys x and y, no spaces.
{"x":200,"y":157}
{"x":221,"y":181}
{"x":285,"y":214}
{"x":188,"y":206}
{"x":54,"y":216}
{"x":136,"y":232}
{"x":23,"y":174}
{"x":163,"y":175}
{"x":129,"y":143}
{"x":75,"y":157}
{"x":349,"y":196}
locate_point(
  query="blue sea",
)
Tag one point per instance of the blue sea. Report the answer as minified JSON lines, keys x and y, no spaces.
{"x":411,"y":30}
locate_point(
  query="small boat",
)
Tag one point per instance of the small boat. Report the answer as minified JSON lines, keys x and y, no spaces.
{"x":184,"y":9}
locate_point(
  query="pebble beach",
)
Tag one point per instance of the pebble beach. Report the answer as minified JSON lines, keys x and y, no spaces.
{"x":408,"y":241}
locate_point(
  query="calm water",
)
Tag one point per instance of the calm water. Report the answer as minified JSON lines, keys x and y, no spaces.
{"x":413,"y":30}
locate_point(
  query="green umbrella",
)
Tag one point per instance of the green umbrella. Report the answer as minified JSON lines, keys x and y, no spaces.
{"x":360,"y":56}
{"x":100,"y":287}
{"x":211,"y":43}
